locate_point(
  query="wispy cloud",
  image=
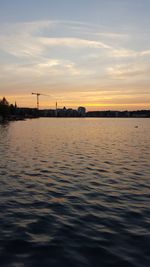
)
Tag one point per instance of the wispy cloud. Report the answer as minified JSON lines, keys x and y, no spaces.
{"x":123,"y":53}
{"x":125,"y":71}
{"x":73,"y":43}
{"x":126,"y":53}
{"x":23,"y":46}
{"x":70,"y":56}
{"x":28,"y":39}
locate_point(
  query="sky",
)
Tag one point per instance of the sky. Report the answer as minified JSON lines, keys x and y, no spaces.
{"x":92,"y":53}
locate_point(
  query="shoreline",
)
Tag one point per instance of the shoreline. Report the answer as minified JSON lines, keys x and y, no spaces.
{"x":4,"y":120}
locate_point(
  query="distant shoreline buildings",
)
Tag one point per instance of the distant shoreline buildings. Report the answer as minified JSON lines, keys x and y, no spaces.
{"x":12,"y":112}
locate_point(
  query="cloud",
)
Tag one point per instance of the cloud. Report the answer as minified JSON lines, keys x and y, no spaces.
{"x":71,"y":57}
{"x":125,"y":71}
{"x":28,"y":39}
{"x":32,"y":39}
{"x":73,"y":43}
{"x":36,"y":46}
{"x":42,"y":70}
{"x":26,"y":28}
{"x":145,"y":53}
{"x":58,"y":67}
{"x":123,"y":53}
{"x":126,"y":53}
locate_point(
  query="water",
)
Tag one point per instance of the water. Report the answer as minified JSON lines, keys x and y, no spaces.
{"x":75,"y":192}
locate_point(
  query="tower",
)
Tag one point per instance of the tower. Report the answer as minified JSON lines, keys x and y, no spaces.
{"x":56,"y":110}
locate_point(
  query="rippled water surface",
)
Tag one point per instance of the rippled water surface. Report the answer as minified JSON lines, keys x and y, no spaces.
{"x":75,"y":192}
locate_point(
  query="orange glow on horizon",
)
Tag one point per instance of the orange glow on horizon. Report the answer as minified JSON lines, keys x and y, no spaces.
{"x":30,"y":101}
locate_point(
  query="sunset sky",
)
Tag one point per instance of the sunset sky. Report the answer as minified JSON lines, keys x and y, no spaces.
{"x":92,"y":53}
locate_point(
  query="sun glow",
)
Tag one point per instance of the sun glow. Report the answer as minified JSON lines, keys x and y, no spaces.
{"x":75,"y":62}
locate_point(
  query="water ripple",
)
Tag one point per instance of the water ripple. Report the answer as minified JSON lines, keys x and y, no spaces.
{"x":75,"y":193}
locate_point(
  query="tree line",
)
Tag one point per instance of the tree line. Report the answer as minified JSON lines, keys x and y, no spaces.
{"x":6,"y":109}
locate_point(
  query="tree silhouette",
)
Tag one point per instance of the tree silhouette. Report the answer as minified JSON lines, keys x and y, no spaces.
{"x":4,"y":108}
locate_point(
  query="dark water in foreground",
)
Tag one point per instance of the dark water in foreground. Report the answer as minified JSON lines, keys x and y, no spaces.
{"x":75,"y":192}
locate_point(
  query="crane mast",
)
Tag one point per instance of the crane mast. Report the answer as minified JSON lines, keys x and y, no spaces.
{"x":38,"y":102}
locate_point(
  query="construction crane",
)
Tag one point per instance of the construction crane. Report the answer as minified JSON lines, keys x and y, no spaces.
{"x":38,"y":94}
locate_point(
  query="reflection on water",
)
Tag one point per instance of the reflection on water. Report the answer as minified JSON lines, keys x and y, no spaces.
{"x":75,"y":192}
